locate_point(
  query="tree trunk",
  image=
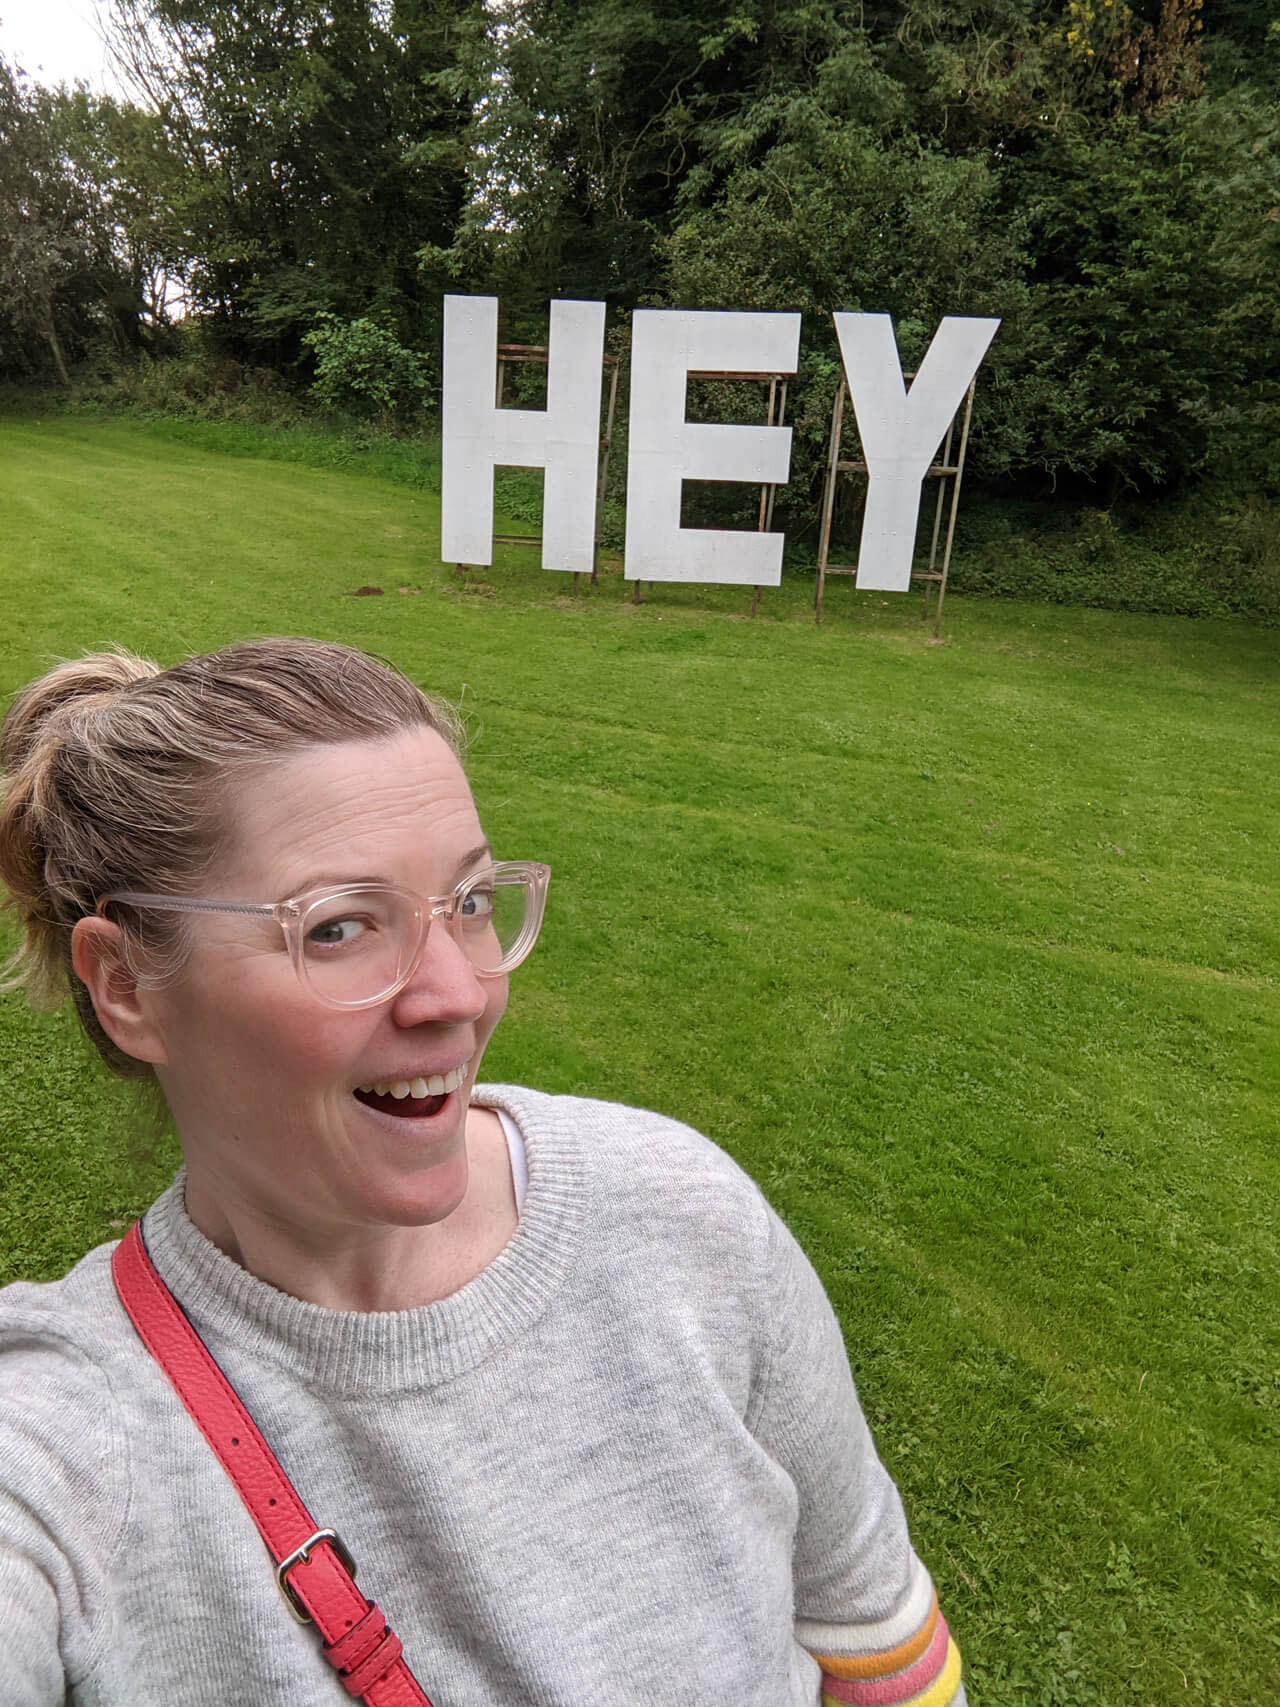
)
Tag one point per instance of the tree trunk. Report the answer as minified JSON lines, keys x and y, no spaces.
{"x":51,"y":333}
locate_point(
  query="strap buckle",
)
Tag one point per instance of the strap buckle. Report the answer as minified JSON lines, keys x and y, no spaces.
{"x":299,"y":1556}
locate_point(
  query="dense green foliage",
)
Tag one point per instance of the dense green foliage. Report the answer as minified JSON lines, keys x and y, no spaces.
{"x":968,"y":953}
{"x":325,"y":147}
{"x":85,"y":227}
{"x":1109,"y":185}
{"x":364,"y":368}
{"x":1104,"y":175}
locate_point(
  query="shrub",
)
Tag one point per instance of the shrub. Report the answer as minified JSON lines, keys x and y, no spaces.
{"x":364,"y":369}
{"x":1203,"y":556}
{"x":193,"y":385}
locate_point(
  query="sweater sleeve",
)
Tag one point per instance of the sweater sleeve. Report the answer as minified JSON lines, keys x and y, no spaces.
{"x":61,"y":1454}
{"x":865,"y":1606}
{"x":29,"y":1607}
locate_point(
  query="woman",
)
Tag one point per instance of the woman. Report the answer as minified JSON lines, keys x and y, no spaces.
{"x":551,"y":1369}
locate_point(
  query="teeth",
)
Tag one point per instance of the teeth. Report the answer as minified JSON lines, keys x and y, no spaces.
{"x":438,"y":1085}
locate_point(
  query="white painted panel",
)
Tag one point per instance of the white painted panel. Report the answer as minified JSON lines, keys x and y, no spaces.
{"x":563,"y":439}
{"x":666,"y":450}
{"x":900,"y":430}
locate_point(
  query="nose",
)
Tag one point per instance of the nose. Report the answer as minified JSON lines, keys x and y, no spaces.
{"x":443,"y":987}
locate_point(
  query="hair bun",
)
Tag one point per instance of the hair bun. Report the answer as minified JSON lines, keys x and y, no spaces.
{"x":97,"y":674}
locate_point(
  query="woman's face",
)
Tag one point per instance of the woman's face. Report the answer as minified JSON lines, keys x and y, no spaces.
{"x":265,"y":1082}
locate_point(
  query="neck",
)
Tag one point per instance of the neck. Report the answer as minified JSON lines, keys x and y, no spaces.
{"x":343,"y":1265}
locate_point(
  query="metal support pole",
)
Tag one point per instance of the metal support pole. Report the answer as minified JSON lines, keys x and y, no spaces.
{"x":603,"y":482}
{"x":937,"y":514}
{"x":780,"y":421}
{"x":829,"y":497}
{"x":955,"y":504}
{"x":768,"y":492}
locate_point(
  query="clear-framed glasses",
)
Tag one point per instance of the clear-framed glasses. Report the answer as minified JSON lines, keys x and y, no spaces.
{"x":354,"y":945}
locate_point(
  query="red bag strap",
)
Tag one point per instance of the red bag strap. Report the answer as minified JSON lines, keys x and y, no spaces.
{"x":315,"y":1571}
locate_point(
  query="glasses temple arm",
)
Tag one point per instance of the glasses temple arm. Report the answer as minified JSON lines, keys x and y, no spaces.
{"x":184,"y":904}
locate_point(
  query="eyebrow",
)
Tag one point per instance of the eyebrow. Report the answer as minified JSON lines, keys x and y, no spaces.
{"x":329,"y":880}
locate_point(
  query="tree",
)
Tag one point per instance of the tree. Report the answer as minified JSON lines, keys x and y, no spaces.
{"x":324,"y":146}
{"x":61,"y":283}
{"x":576,"y":151}
{"x":1065,"y":168}
{"x":127,"y":164}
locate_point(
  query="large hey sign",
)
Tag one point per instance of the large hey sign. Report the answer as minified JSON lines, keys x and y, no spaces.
{"x":900,"y":430}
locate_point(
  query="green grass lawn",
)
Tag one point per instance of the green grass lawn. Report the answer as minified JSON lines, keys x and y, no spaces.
{"x":968,"y":952}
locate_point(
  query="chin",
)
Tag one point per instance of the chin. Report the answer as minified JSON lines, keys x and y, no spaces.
{"x":419,"y":1199}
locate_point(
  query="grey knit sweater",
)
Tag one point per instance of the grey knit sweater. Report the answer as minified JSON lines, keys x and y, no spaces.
{"x":624,"y":1464}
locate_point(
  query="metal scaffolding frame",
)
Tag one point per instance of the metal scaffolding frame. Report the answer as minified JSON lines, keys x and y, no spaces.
{"x":942,"y":471}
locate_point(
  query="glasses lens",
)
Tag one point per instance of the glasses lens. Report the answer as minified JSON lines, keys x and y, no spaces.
{"x":357,"y":945}
{"x":491,"y":916}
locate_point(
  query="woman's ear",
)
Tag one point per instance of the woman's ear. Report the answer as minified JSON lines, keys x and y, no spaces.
{"x":99,"y":960}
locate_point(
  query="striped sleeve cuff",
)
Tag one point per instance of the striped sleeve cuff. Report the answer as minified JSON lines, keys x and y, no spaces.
{"x":905,"y":1660}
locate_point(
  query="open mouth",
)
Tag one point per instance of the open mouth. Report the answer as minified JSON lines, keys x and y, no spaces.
{"x":412,"y":1099}
{"x":405,"y":1108}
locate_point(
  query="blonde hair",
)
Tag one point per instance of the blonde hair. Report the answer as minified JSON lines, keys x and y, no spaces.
{"x":118,"y":776}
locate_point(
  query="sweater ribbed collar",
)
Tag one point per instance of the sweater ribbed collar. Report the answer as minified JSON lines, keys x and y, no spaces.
{"x":388,"y":1351}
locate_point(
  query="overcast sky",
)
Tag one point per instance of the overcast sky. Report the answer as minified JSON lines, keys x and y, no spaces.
{"x":55,"y":41}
